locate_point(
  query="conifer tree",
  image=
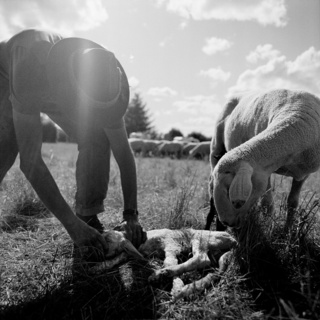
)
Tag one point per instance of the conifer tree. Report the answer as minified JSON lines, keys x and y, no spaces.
{"x":137,"y":118}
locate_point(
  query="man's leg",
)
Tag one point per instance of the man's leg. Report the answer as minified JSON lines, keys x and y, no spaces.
{"x":8,"y":143}
{"x":92,"y":176}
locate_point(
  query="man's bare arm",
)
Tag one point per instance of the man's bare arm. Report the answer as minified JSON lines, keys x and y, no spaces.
{"x":125,"y":159}
{"x":29,"y":137}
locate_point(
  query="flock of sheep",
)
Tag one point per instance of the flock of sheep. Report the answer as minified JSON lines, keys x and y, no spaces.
{"x":255,"y":135}
{"x":174,"y":149}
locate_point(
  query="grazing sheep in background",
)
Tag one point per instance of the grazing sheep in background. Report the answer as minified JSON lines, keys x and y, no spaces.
{"x":187,"y":147}
{"x":208,"y":248}
{"x":151,"y":147}
{"x":137,"y":145}
{"x":171,"y":148}
{"x":201,"y":150}
{"x":257,"y":135}
{"x":139,"y":135}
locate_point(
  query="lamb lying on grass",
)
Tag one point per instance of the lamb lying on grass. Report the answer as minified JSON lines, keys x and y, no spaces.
{"x":208,"y":249}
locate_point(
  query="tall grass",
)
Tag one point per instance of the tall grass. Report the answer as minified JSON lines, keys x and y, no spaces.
{"x":282,"y":267}
{"x":273,"y":274}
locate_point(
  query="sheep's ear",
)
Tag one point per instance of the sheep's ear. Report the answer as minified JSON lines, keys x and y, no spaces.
{"x":241,"y":186}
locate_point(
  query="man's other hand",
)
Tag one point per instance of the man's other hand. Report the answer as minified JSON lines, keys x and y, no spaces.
{"x":133,"y":231}
{"x":90,"y":242}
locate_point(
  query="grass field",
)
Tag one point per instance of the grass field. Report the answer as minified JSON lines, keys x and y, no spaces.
{"x":273,"y":275}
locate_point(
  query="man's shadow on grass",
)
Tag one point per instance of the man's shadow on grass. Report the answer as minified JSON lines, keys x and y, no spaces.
{"x":120,"y":293}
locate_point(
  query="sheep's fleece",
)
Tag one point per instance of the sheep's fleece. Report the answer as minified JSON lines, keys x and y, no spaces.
{"x":256,"y":135}
{"x":208,"y":249}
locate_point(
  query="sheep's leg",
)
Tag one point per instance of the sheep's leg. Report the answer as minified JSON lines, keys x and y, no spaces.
{"x":215,"y":155}
{"x":267,"y":199}
{"x":293,"y":200}
{"x":213,"y":213}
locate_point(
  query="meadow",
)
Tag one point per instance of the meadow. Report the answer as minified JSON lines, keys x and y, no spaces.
{"x":272,"y":275}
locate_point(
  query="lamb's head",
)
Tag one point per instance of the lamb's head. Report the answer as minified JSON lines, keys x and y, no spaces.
{"x":117,"y":243}
{"x":236,"y":186}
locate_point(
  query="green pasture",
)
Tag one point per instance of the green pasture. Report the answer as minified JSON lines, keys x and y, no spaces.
{"x":273,"y":275}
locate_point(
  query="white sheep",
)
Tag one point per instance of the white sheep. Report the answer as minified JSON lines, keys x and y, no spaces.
{"x":187,"y":147}
{"x":256,"y":135}
{"x":208,"y":248}
{"x":137,"y":145}
{"x":139,"y":135}
{"x":201,"y":150}
{"x":151,"y":147}
{"x":171,"y":148}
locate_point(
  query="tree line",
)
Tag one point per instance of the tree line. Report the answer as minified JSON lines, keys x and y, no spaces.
{"x":137,"y":119}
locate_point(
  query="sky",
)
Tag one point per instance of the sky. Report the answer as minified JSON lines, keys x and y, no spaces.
{"x":186,"y":57}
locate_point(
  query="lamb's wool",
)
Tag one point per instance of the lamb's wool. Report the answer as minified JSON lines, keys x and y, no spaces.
{"x":208,"y":249}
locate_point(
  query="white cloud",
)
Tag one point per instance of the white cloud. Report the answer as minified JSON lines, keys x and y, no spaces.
{"x":262,"y":52}
{"x":300,"y":74}
{"x":162,"y":43}
{"x":205,"y":125}
{"x":183,"y":24}
{"x":197,"y":113}
{"x":216,"y":74}
{"x":133,"y":82}
{"x":161,"y":92}
{"x":198,"y":105}
{"x":214,"y":45}
{"x":59,"y":15}
{"x":265,"y":12}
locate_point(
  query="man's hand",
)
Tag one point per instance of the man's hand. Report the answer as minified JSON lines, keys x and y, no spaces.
{"x":91,"y":243}
{"x":132,"y":229}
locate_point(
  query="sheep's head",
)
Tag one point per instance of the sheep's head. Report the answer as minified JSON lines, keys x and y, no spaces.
{"x":236,"y":188}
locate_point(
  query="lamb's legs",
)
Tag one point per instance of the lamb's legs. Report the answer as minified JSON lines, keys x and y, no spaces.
{"x":170,"y":261}
{"x":196,"y":286}
{"x":199,"y":260}
{"x":170,"y":258}
{"x":180,"y":291}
